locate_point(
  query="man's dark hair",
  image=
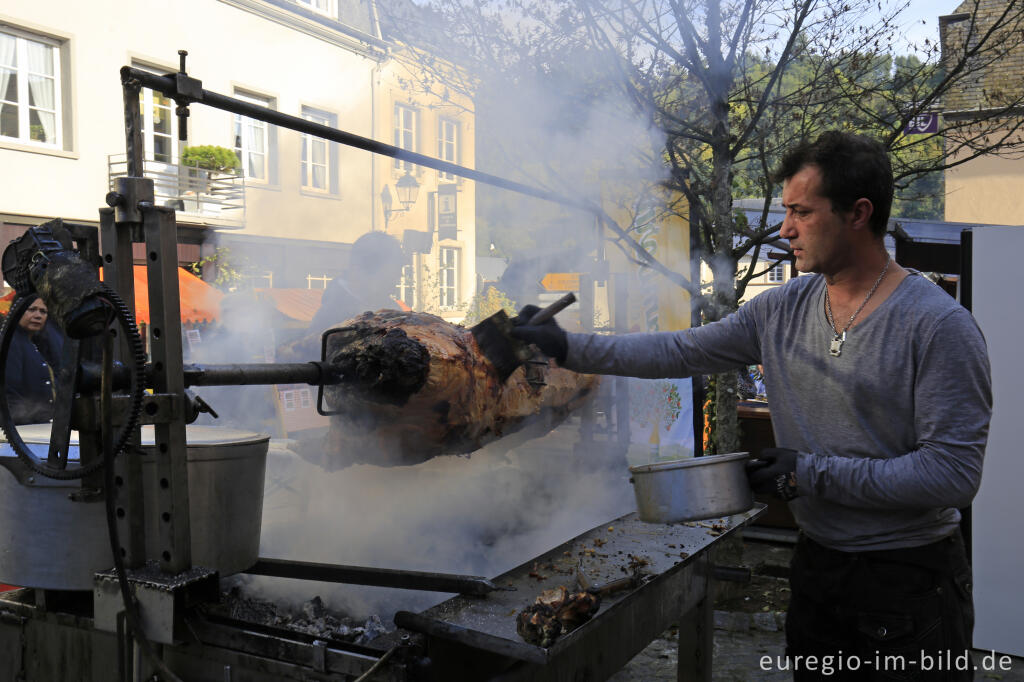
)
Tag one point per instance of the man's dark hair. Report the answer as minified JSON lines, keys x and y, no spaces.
{"x":852,"y":167}
{"x":377,"y":250}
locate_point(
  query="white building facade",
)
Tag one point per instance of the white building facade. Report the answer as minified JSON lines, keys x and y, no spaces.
{"x":300,"y":200}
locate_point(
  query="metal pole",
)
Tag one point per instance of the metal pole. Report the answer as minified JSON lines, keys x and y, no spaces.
{"x":116,"y":242}
{"x":621,"y":326}
{"x":168,"y":85}
{"x":171,"y":491}
{"x":133,"y":126}
{"x":312,"y":373}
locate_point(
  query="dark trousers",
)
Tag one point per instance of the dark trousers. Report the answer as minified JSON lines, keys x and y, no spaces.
{"x":903,"y":614}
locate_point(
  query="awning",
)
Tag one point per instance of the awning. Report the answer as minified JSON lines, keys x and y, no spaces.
{"x":199,"y":301}
{"x":301,"y":304}
{"x":296,"y":304}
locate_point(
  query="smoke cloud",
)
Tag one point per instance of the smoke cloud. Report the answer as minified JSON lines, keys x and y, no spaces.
{"x":567,"y":129}
{"x":476,"y":515}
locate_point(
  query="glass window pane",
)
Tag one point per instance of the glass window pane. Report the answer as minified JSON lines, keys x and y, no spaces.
{"x":41,"y":126}
{"x":255,"y":165}
{"x":255,"y":141}
{"x":8,"y":120}
{"x":8,"y":50}
{"x":40,"y":58}
{"x":162,"y":148}
{"x":319,"y":152}
{"x":40,"y":92}
{"x":161,"y":120}
{"x":320,"y":177}
{"x":9,"y":93}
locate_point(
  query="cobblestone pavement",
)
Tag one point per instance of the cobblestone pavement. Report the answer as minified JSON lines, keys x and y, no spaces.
{"x":746,"y":632}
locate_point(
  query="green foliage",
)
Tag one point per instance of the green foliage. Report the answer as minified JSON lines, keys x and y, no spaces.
{"x":486,"y":303}
{"x":229,"y":274}
{"x":211,"y":157}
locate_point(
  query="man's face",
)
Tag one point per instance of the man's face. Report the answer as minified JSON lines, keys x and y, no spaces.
{"x":817,"y":234}
{"x":34,"y":318}
{"x":376,"y":280}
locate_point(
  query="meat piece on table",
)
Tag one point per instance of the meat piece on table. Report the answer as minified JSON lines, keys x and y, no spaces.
{"x":555,"y":612}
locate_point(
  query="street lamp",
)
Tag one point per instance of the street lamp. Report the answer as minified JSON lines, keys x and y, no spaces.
{"x":407,"y":189}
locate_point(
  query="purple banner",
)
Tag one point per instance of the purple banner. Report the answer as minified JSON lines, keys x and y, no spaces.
{"x":922,"y":124}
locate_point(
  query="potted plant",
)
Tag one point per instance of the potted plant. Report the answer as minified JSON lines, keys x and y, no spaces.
{"x":200,"y":164}
{"x":212,"y":158}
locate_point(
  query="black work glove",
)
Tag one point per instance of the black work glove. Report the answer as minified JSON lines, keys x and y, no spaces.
{"x":774,"y":473}
{"x":549,"y":337}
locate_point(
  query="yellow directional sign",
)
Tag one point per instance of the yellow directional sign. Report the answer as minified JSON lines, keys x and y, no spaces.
{"x":561,"y":281}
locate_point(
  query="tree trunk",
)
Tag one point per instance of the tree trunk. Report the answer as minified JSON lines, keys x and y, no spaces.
{"x":723,"y":268}
{"x":727,"y":432}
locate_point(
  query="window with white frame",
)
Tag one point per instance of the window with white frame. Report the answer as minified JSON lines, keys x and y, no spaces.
{"x":252,"y":140}
{"x":405,"y":133}
{"x":317,"y":281}
{"x":257,"y":280}
{"x":288,"y":400}
{"x":406,"y":289}
{"x":316,"y":161}
{"x":448,"y":280}
{"x":776,"y":275}
{"x":159,"y":123}
{"x":30,"y":89}
{"x":447,"y":144}
{"x":325,"y":7}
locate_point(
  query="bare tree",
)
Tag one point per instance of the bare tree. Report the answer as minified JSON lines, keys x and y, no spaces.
{"x":727,"y":86}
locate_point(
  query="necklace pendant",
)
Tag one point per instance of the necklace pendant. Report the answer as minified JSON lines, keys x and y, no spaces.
{"x":835,"y":349}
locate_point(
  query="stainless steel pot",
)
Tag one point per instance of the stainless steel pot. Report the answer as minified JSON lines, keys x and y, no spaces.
{"x":49,"y":541}
{"x":692,"y":489}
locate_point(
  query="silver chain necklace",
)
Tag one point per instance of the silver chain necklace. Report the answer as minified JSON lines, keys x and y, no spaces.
{"x":835,"y":348}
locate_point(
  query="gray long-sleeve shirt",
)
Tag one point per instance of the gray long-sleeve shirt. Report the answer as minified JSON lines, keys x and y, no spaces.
{"x":892,"y":432}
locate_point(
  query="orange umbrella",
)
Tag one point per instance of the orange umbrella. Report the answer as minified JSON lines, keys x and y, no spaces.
{"x":199,"y":301}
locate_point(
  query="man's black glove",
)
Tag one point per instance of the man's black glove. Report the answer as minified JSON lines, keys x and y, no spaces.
{"x":549,"y":337}
{"x":774,"y":473}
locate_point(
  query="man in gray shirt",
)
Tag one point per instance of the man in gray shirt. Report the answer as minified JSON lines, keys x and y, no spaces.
{"x":880,"y":395}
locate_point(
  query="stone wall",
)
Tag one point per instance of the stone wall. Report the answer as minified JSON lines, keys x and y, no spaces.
{"x":996,"y":82}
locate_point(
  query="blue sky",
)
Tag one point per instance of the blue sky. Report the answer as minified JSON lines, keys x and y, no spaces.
{"x":929,"y":11}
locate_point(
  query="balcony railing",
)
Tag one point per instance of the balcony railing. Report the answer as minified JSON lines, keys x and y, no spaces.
{"x":188,"y":189}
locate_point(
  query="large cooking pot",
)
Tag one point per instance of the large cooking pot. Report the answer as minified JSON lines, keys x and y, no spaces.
{"x":692,"y":489}
{"x":49,"y":541}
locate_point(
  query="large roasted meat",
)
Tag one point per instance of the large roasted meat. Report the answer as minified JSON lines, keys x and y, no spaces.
{"x":415,"y":387}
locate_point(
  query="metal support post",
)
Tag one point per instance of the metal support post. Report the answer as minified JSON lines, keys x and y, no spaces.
{"x":133,"y":126}
{"x":117,"y":273}
{"x":696,"y":630}
{"x":620,"y":312}
{"x":588,"y":419}
{"x":171,"y":489}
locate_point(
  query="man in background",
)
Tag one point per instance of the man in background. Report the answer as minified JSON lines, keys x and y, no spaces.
{"x":374,"y":269}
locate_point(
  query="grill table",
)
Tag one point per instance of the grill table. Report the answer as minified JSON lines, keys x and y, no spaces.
{"x":472,"y":638}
